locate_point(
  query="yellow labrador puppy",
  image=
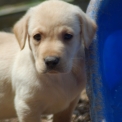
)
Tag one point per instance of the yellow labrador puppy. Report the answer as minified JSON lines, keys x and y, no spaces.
{"x":44,"y":73}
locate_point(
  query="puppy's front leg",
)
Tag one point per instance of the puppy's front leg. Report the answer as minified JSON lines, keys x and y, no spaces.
{"x":65,"y":116}
{"x":27,"y":112}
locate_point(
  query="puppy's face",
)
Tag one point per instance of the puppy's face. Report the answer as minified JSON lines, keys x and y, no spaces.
{"x":54,"y":38}
{"x":55,"y":29}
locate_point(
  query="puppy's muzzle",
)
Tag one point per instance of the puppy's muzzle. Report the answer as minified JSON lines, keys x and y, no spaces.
{"x":51,"y":61}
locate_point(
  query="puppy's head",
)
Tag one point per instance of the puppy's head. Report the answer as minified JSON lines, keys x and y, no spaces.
{"x":55,"y":30}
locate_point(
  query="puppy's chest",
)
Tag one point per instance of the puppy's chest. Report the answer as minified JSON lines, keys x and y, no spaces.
{"x":60,"y":85}
{"x":58,"y":92}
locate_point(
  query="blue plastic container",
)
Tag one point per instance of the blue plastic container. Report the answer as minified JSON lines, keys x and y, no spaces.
{"x":104,"y":61}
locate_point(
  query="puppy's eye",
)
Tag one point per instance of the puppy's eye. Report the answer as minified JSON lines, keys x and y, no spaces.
{"x":37,"y":37}
{"x":67,"y":36}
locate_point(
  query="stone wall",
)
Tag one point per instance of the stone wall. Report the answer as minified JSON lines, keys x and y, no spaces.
{"x":9,"y":15}
{"x":9,"y":2}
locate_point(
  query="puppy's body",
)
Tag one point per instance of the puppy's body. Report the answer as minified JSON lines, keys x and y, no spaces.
{"x":47,"y":75}
{"x":8,"y":51}
{"x":51,"y":92}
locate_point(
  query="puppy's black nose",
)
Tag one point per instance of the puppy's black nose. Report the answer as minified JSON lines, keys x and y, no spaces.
{"x":51,"y":61}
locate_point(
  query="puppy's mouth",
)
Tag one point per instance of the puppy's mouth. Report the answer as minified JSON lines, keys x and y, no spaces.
{"x":57,"y":70}
{"x":52,"y":70}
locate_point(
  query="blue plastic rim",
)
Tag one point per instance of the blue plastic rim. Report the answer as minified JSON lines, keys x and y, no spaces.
{"x":105,"y":61}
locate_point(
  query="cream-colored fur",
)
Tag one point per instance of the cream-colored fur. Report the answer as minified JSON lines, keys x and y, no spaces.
{"x":27,"y":88}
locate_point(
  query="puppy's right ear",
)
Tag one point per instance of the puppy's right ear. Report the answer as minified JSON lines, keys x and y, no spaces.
{"x":88,"y":27}
{"x":21,"y":30}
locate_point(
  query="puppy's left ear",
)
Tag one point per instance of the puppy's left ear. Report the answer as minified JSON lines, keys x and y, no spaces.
{"x":20,"y":30}
{"x":88,"y":28}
